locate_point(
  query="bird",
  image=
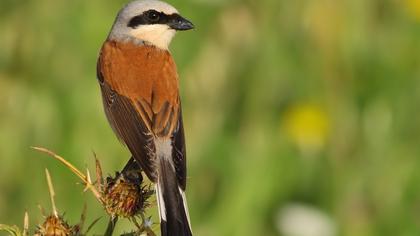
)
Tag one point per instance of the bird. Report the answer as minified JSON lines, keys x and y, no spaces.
{"x":140,"y":92}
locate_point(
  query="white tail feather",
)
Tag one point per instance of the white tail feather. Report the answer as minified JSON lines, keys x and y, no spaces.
{"x":160,"y":202}
{"x":184,"y":201}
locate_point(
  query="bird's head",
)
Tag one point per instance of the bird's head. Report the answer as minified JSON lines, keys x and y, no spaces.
{"x":150,"y":21}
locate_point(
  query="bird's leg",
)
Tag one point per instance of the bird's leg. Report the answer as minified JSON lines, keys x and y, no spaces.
{"x":132,"y":171}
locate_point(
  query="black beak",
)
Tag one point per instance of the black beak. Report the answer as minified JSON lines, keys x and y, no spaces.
{"x":180,"y":23}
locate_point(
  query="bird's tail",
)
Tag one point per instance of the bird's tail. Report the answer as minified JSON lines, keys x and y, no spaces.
{"x":172,"y":204}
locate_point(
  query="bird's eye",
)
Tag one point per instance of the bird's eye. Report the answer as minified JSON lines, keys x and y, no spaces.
{"x":153,"y":16}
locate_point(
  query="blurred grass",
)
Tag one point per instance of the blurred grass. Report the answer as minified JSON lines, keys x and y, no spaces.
{"x":309,"y":101}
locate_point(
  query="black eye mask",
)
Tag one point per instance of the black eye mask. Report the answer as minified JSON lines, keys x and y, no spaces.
{"x":152,"y":17}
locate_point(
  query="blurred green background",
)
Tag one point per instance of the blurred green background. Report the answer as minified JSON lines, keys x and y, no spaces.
{"x":298,"y":114}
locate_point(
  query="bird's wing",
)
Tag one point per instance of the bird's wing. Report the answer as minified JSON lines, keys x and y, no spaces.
{"x":179,"y":153}
{"x":140,"y":114}
{"x":130,"y":128}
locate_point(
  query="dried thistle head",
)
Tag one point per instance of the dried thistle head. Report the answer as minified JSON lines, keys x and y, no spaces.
{"x":55,"y":226}
{"x":124,"y":195}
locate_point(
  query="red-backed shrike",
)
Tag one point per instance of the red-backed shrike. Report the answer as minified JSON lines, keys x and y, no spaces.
{"x":139,"y":85}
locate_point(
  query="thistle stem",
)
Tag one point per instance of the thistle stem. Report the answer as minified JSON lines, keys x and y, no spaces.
{"x":77,"y":172}
{"x":111,"y":226}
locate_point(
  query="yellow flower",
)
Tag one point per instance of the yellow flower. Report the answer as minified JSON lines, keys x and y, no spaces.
{"x":308,"y":126}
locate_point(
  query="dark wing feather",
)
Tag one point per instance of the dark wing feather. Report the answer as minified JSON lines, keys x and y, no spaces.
{"x":179,"y":153}
{"x":130,"y":128}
